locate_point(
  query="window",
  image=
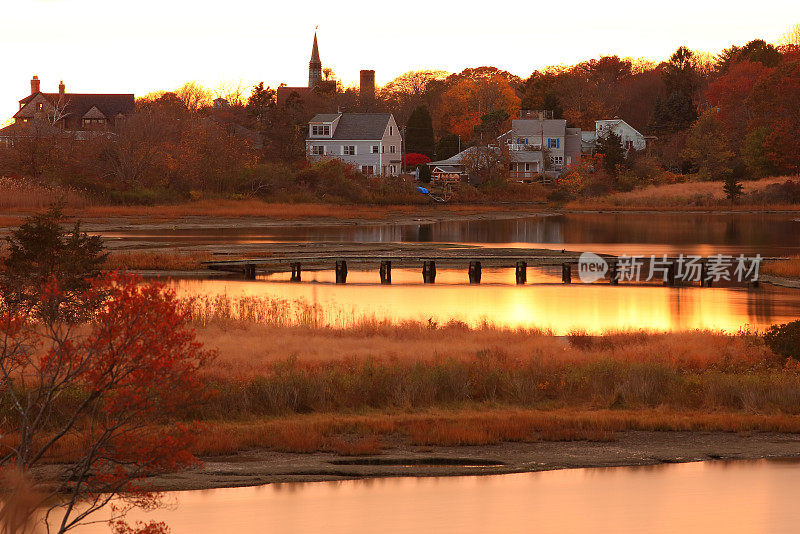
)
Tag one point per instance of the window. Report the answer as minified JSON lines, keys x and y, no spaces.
{"x":392,"y":169}
{"x":368,"y":169}
{"x":39,"y":106}
{"x":391,"y":130}
{"x":383,"y":149}
{"x":374,"y":149}
{"x":391,"y":149}
{"x":320,"y":129}
{"x":553,"y":142}
{"x":88,"y":123}
{"x":318,"y":150}
{"x":349,"y":150}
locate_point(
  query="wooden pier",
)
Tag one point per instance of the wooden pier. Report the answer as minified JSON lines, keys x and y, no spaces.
{"x":474,"y":259}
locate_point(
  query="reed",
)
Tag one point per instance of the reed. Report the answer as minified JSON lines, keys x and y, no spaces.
{"x":690,"y":195}
{"x":156,"y":261}
{"x":24,"y":195}
{"x":784,"y":268}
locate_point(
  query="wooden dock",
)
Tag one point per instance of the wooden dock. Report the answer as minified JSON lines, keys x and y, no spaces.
{"x":473,"y":259}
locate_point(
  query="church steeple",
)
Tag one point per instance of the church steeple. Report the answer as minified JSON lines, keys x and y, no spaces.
{"x":314,"y":66}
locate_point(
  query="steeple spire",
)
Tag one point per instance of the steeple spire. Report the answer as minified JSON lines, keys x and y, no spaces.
{"x":314,"y":66}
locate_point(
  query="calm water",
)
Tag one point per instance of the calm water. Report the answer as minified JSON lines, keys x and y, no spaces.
{"x":544,"y":302}
{"x":613,"y":233}
{"x":707,"y":497}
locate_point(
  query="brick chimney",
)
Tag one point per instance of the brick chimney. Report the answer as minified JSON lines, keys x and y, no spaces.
{"x":61,"y":89}
{"x":367,"y":87}
{"x":35,"y":85}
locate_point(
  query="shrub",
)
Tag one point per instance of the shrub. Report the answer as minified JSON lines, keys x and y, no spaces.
{"x":784,"y":339}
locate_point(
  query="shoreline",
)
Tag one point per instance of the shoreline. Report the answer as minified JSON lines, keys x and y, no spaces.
{"x":629,"y":449}
{"x":95,"y":223}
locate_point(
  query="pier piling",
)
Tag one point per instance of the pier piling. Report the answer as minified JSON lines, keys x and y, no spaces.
{"x":295,"y":272}
{"x":613,"y":273}
{"x":521,"y":272}
{"x":249,"y":271}
{"x":341,"y":272}
{"x":429,"y":271}
{"x":566,"y":273}
{"x":474,"y":272}
{"x":386,"y":272}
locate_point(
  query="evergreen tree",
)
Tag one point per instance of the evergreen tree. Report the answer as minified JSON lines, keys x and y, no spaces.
{"x":732,"y":187}
{"x":424,"y":174}
{"x":419,"y":132}
{"x":610,"y":146}
{"x":447,"y":146}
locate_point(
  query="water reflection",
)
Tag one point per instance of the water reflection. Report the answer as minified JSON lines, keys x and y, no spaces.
{"x":696,"y":497}
{"x":613,"y":233}
{"x":544,"y":303}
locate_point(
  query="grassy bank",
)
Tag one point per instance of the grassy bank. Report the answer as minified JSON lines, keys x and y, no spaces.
{"x":368,"y":388}
{"x":763,"y":194}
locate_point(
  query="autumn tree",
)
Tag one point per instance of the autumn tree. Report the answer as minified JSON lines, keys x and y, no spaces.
{"x":470,"y":97}
{"x":419,"y":132}
{"x":97,"y":398}
{"x":707,"y":148}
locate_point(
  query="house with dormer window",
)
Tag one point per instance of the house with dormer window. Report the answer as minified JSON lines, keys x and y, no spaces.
{"x":369,"y":141}
{"x":74,"y":112}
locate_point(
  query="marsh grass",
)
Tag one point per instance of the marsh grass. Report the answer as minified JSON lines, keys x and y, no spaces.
{"x":789,"y":268}
{"x":681,"y":196}
{"x":156,"y":261}
{"x":21,"y":194}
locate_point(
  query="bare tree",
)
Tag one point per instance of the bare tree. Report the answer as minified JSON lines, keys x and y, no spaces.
{"x":791,"y":36}
{"x":193,"y":95}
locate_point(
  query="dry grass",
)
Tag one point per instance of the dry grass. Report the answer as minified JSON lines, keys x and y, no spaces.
{"x":21,"y":195}
{"x":156,"y":261}
{"x":281,"y":211}
{"x":248,"y":349}
{"x":785,"y":268}
{"x":471,"y":427}
{"x":681,"y":196}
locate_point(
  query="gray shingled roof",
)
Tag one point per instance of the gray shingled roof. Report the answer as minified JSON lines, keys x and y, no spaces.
{"x":324,"y":117}
{"x":78,"y":104}
{"x":533,"y":127}
{"x":361,"y":126}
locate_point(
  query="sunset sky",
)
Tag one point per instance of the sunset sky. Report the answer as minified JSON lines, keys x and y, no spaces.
{"x":149,"y":45}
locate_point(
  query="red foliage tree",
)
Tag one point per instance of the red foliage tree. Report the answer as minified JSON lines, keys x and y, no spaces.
{"x":413,"y":159}
{"x":102,"y":398}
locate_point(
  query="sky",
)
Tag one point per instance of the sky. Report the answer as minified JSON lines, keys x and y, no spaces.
{"x":140,"y":46}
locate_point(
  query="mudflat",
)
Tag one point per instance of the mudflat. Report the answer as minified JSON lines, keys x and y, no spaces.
{"x":630,"y":448}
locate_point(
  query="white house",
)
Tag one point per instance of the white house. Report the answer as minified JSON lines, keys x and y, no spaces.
{"x":369,"y":141}
{"x":629,"y":136}
{"x":536,"y":135}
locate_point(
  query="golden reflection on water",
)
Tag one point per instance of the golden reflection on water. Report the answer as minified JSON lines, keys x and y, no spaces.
{"x":735,"y":498}
{"x":543,"y":303}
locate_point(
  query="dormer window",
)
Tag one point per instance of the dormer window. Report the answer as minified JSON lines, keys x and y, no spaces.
{"x":321,"y":129}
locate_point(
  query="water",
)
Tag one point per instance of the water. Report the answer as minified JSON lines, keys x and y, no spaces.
{"x":544,"y":302}
{"x":736,"y":497}
{"x":612,"y":233}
